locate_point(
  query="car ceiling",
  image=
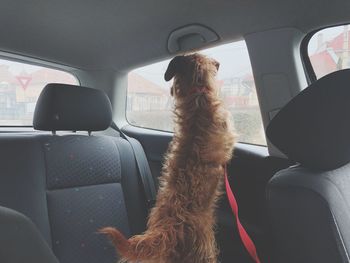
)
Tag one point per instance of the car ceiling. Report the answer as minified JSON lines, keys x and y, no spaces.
{"x":120,"y":34}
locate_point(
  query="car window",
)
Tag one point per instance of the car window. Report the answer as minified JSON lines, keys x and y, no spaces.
{"x":149,"y":103}
{"x":20,"y":86}
{"x":329,"y":50}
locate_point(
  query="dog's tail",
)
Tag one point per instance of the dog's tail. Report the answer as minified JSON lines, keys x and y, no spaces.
{"x":117,"y":238}
{"x":137,"y":248}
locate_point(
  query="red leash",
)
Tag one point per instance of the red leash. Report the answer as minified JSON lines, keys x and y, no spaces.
{"x":246,"y":240}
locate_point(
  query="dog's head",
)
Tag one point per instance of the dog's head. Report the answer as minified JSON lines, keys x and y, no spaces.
{"x":191,"y":73}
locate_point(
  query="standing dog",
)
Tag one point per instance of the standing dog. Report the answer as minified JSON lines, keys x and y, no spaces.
{"x":181,"y":224}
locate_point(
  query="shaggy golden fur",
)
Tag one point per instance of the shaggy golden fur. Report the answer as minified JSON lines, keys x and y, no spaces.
{"x":181,"y":224}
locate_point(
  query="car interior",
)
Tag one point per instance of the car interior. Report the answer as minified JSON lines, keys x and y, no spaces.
{"x":83,"y":102}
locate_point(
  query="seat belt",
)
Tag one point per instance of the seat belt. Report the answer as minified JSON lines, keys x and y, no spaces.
{"x":246,"y":240}
{"x":142,"y":166}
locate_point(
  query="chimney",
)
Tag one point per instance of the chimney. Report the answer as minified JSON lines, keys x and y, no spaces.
{"x":319,"y":41}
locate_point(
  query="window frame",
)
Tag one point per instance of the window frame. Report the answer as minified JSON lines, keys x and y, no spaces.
{"x":39,"y":63}
{"x":308,"y":68}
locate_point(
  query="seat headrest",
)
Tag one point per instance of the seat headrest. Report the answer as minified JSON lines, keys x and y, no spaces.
{"x":313,"y":129}
{"x":63,"y":107}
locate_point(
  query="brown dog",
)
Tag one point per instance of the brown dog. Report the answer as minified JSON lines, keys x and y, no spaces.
{"x":181,"y":224}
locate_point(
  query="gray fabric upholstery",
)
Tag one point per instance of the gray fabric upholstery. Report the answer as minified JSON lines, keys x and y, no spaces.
{"x":310,"y":215}
{"x":135,"y":201}
{"x":81,"y":160}
{"x":63,"y":107}
{"x":71,"y":186}
{"x":84,"y":194}
{"x":77,"y":213}
{"x":20,"y":241}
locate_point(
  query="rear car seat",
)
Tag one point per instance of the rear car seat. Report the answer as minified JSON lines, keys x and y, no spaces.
{"x":71,"y":185}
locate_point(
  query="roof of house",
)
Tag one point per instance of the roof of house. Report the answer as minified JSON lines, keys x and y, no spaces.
{"x":326,"y":58}
{"x":323,"y":63}
{"x":338,"y":43}
{"x":45,"y":75}
{"x":138,"y":84}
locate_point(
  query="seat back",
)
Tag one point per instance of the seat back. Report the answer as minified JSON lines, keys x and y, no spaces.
{"x":309,"y":203}
{"x":20,"y":241}
{"x":71,"y":185}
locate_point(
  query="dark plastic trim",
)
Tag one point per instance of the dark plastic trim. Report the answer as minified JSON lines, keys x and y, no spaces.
{"x":305,"y":58}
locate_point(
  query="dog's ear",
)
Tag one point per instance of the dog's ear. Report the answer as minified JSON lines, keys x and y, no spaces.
{"x":174,"y":67}
{"x":217,"y":64}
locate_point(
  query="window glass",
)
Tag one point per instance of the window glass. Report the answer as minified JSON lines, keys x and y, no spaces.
{"x":149,"y":103}
{"x":329,"y":50}
{"x":20,"y":86}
